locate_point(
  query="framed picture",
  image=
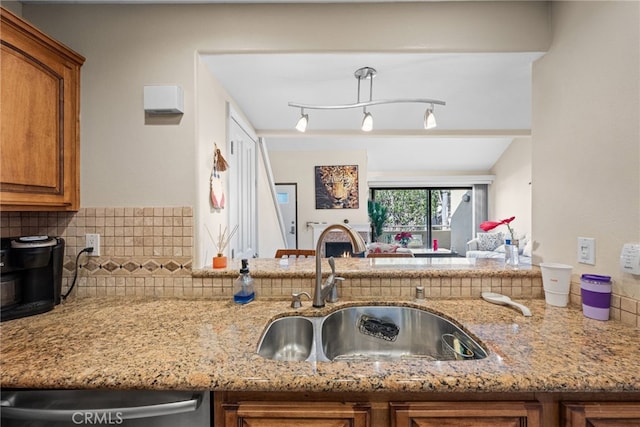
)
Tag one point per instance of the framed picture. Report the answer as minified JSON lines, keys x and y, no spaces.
{"x":337,"y":187}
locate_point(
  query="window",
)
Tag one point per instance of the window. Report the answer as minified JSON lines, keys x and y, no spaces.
{"x":427,"y":213}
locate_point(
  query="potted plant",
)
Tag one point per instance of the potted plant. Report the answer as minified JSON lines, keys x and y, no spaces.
{"x":378,"y":216}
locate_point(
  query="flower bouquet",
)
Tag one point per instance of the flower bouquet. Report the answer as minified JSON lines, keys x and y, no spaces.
{"x":490,"y":225}
{"x":403,"y":238}
{"x":511,"y":249}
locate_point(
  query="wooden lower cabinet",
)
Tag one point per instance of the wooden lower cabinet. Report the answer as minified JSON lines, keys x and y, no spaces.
{"x":600,"y":414}
{"x":398,"y":409}
{"x":292,"y":414}
{"x":466,"y":414}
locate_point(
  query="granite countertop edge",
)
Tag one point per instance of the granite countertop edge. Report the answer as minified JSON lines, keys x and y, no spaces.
{"x":375,"y":267}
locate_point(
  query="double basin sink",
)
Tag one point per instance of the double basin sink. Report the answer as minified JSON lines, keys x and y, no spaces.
{"x":368,"y":333}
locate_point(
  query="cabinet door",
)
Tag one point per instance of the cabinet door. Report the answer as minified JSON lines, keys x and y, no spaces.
{"x":39,"y":117}
{"x":466,"y":414}
{"x":595,"y":414}
{"x":294,"y":414}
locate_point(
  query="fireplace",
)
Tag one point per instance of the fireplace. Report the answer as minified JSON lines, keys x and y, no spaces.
{"x":339,"y":249}
{"x":338,"y":235}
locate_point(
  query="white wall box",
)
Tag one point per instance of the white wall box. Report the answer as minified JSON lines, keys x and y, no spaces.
{"x":163,"y":100}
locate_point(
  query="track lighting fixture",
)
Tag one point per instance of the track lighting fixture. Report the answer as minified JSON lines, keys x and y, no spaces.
{"x":301,"y":126}
{"x":429,"y":119}
{"x":367,"y":122}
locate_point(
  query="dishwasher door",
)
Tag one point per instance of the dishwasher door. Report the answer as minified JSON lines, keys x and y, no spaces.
{"x":134,"y":408}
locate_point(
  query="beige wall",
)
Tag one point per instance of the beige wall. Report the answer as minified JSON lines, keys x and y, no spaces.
{"x":125,"y":161}
{"x":298,"y":167}
{"x":585,"y":133}
{"x":13,"y":6}
{"x":510,"y":192}
{"x":271,"y":237}
{"x":211,"y":117}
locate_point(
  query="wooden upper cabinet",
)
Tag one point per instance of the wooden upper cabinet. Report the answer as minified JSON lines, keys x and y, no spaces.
{"x":39,"y":120}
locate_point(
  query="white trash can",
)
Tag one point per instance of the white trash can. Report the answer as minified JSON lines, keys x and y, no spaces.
{"x":556,"y":280}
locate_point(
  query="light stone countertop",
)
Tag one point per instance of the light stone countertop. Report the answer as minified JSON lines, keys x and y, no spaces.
{"x":376,"y":267}
{"x":164,"y":343}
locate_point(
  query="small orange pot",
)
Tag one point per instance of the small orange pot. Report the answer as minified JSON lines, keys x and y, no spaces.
{"x":219,"y":262}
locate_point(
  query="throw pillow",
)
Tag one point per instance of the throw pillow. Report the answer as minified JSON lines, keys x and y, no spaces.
{"x":415,"y":242}
{"x":378,"y":248}
{"x":528,"y":248}
{"x":489,"y":241}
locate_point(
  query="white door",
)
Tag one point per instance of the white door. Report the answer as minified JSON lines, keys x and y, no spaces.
{"x":288,"y":202}
{"x":242,"y":191}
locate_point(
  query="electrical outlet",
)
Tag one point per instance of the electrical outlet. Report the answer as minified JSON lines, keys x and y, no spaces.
{"x":587,"y":250}
{"x":93,"y":241}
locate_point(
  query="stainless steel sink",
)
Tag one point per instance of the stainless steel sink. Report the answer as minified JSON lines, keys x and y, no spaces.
{"x":287,"y":338}
{"x":368,"y":332}
{"x":373,"y":332}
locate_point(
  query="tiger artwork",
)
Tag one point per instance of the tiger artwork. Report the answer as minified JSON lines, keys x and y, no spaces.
{"x":337,"y":187}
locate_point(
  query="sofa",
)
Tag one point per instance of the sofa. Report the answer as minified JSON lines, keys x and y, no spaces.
{"x":386,"y":248}
{"x":491,"y":245}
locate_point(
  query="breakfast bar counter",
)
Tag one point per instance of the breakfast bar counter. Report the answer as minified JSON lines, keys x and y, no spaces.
{"x":377,"y":278}
{"x":376,"y":267}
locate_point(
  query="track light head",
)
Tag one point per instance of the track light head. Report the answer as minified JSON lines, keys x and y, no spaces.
{"x":367,"y":122}
{"x":301,"y":126}
{"x":429,"y":119}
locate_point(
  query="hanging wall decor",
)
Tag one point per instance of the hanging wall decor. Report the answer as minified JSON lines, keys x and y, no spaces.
{"x":337,"y":187}
{"x":219,"y":165}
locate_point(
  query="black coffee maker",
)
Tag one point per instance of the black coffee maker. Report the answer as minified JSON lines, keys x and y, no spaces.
{"x":31,"y":279}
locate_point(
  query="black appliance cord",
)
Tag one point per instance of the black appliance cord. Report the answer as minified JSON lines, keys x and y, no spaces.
{"x":75,"y":274}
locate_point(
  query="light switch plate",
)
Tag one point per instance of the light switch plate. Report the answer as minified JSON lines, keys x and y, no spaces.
{"x":630,"y":258}
{"x":587,"y":250}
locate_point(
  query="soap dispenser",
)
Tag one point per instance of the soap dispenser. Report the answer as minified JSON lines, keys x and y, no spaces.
{"x":243,"y":289}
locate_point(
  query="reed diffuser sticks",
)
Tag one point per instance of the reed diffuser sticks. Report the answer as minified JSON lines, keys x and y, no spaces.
{"x":224,"y":238}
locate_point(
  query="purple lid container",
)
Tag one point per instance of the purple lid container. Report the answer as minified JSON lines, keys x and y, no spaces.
{"x":601,"y":280}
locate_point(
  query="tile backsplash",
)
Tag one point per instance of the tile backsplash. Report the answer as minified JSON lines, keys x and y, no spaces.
{"x":144,"y":251}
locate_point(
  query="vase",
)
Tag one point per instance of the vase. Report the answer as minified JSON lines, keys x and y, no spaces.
{"x":512,"y":253}
{"x":219,"y":261}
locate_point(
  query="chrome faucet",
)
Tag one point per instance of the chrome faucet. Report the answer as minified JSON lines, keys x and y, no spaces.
{"x":321,"y":292}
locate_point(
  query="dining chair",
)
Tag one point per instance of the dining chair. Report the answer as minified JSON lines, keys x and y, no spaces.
{"x":296,"y":253}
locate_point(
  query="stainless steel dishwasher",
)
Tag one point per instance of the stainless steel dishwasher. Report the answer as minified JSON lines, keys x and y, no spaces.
{"x":135,"y":408}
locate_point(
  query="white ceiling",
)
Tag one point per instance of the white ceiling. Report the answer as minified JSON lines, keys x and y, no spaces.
{"x":488,"y":98}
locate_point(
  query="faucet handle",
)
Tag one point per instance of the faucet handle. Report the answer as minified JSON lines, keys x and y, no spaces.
{"x":333,"y":293}
{"x":295,"y":299}
{"x":332,"y":264}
